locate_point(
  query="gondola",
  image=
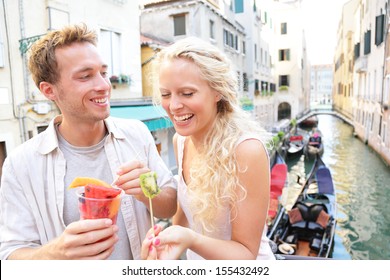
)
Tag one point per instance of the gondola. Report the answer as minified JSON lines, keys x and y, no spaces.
{"x":309,"y":122}
{"x":294,"y":145}
{"x":314,"y":145}
{"x":306,"y":230}
{"x":278,"y":181}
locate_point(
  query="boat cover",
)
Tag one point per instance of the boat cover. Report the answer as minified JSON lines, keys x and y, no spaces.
{"x":324,"y":180}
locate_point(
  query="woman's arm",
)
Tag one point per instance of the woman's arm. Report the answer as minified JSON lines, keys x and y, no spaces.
{"x":249,"y":215}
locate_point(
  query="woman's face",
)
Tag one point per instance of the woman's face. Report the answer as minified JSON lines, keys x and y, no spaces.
{"x":187,"y":98}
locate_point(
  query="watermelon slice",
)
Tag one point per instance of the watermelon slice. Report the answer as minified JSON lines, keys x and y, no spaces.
{"x":96,"y":191}
{"x":100,"y":202}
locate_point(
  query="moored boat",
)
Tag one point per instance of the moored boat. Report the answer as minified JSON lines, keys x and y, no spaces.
{"x":314,"y":145}
{"x":278,"y":181}
{"x":305,"y":229}
{"x":294,"y":146}
{"x":309,"y":122}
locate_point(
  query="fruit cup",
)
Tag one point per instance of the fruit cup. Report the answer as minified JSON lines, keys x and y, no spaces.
{"x":101,"y":206}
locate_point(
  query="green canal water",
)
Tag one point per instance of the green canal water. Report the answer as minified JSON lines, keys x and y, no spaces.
{"x":362,"y":182}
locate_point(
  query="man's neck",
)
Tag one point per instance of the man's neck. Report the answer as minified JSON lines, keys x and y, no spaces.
{"x":82,"y":134}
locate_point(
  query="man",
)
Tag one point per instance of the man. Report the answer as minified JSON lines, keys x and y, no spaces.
{"x":315,"y":140}
{"x":39,"y":217}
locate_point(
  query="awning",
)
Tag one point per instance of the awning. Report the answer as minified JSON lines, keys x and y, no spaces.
{"x":154,"y":117}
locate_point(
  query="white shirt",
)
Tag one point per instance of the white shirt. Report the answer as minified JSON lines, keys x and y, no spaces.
{"x":32,"y":185}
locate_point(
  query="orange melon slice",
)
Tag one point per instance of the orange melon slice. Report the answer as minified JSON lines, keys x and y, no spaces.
{"x":83,"y":181}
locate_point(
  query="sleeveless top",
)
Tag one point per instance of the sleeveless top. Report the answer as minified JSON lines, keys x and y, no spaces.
{"x":223,"y":225}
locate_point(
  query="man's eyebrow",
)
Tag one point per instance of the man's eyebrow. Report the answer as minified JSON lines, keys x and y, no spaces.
{"x":89,"y":68}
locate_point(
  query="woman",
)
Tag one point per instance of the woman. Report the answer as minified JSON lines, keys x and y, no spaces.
{"x":223,"y":175}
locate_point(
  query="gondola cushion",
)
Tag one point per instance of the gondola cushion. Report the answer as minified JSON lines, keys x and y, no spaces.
{"x":308,"y":220}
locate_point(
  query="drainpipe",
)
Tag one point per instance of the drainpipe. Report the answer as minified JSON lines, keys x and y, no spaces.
{"x":385,"y":46}
{"x":26,"y":82}
{"x":16,"y":110}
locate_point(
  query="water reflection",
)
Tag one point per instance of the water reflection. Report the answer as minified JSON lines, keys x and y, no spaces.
{"x":362,"y":183}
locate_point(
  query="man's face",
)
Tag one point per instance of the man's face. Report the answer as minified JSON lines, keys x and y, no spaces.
{"x":84,"y":89}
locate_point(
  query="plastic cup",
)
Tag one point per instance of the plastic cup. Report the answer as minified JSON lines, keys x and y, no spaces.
{"x":98,"y":208}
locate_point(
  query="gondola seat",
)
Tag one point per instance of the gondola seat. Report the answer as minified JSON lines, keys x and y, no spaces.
{"x":315,"y":243}
{"x":308,"y":220}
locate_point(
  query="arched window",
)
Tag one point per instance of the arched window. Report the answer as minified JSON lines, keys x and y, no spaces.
{"x":284,"y":111}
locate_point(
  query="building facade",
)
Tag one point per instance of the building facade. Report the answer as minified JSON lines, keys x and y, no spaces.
{"x":362,"y":82}
{"x":24,"y":111}
{"x":321,"y":83}
{"x":291,"y":65}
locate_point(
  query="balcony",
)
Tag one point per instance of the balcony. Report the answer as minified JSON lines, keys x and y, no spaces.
{"x":361,"y":64}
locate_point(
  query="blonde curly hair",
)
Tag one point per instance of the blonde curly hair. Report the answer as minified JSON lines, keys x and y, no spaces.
{"x":214,"y":182}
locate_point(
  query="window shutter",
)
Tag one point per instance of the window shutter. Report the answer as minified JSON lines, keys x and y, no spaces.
{"x":379,"y":26}
{"x":367,"y":42}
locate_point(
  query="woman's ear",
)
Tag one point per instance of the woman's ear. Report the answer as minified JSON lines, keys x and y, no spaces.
{"x":47,"y":90}
{"x":218,"y":97}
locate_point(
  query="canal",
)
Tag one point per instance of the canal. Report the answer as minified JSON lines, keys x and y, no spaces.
{"x":362,"y":182}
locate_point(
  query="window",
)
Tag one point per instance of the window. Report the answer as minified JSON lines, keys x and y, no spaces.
{"x":111,"y":51}
{"x":57,"y":18}
{"x":2,"y":58}
{"x":386,"y":93}
{"x":367,"y":42}
{"x":229,"y":39}
{"x":284,"y":55}
{"x":283,"y":28}
{"x":255,"y":52}
{"x":239,"y":6}
{"x":257,"y":87}
{"x":179,"y":25}
{"x":357,"y":51}
{"x":41,"y":128}
{"x":245,"y":81}
{"x":272,"y":87}
{"x":3,"y":155}
{"x":212,"y":29}
{"x":243,"y":47}
{"x":226,"y":37}
{"x":283,"y":80}
{"x":379,"y":26}
{"x":261,"y":55}
{"x":238,"y":80}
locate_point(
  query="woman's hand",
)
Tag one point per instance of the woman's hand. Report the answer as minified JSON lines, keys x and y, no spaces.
{"x":168,"y":244}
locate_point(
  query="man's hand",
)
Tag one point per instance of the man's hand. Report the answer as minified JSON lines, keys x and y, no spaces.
{"x":128,"y":179}
{"x":85,"y":239}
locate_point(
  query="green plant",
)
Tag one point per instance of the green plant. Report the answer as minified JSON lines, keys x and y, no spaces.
{"x":283,"y":88}
{"x":121,"y":79}
{"x":125,"y":79}
{"x":281,"y":135}
{"x":293,"y":122}
{"x":246,"y":103}
{"x":276,"y":140}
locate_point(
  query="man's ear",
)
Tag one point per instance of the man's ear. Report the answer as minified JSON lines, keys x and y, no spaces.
{"x":47,"y":90}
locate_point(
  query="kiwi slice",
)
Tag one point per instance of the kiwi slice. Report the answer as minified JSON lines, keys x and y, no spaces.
{"x":148,"y":182}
